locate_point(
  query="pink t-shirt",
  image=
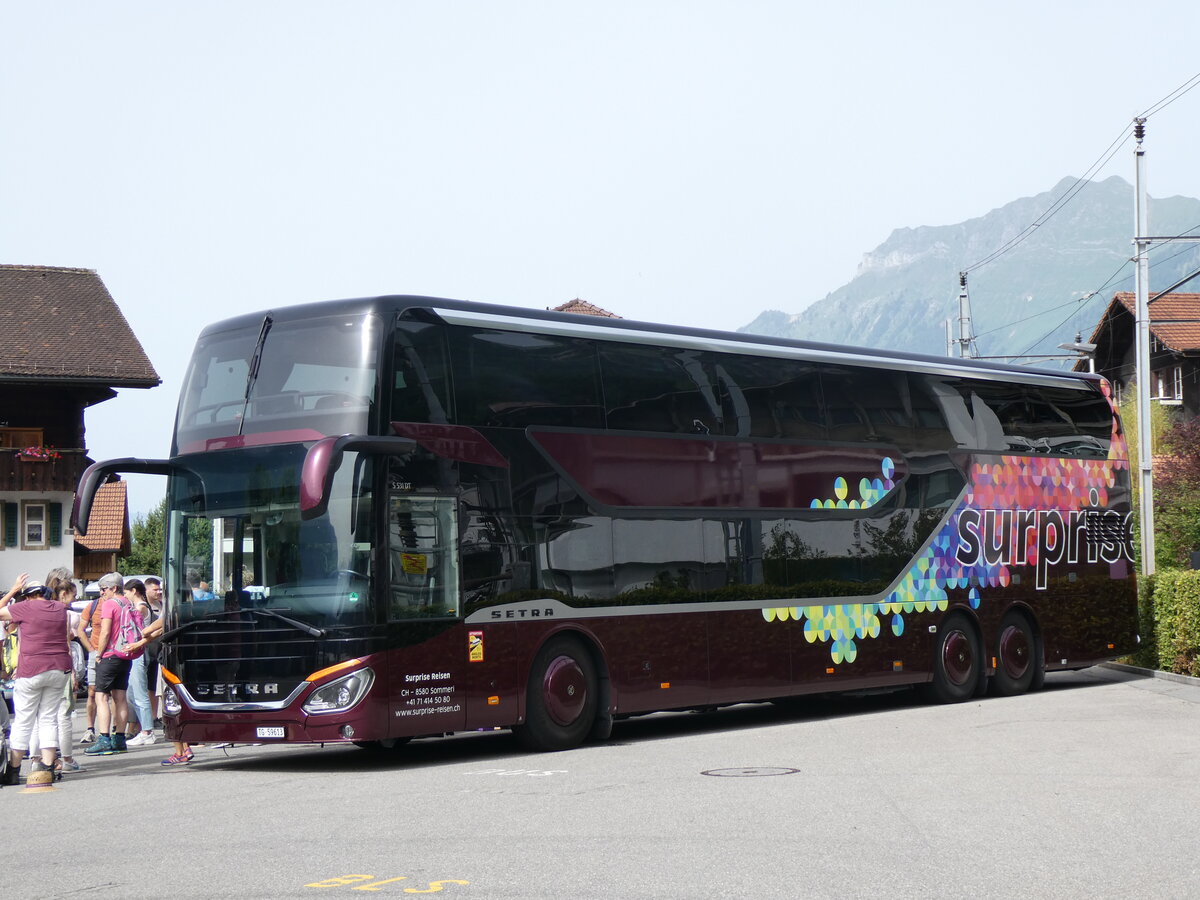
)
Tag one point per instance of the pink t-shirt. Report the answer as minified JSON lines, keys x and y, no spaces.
{"x":110,"y":609}
{"x":43,"y":635}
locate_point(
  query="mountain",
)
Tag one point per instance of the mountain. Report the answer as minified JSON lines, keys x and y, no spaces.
{"x":1032,"y":298}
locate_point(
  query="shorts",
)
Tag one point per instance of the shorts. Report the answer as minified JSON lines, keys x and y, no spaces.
{"x":112,"y":674}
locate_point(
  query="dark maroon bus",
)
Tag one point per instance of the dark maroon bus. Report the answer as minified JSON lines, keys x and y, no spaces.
{"x":422,"y":516}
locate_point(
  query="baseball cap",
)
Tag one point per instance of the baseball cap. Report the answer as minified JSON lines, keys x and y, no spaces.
{"x":32,"y":587}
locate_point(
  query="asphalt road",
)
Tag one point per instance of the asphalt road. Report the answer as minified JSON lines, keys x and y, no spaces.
{"x":1089,"y":788}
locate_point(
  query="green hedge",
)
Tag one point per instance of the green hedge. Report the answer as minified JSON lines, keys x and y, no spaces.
{"x":1169,"y":610}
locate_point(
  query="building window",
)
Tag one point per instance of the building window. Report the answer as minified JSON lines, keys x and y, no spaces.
{"x":1168,"y":385}
{"x":34,"y":526}
{"x":18,"y":438}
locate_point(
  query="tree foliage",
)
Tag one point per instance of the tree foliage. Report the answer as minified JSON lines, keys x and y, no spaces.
{"x":1162,"y":423}
{"x":1177,"y":494}
{"x":148,"y":553}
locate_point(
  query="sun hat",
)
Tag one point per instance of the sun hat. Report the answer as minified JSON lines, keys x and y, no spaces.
{"x":32,"y":587}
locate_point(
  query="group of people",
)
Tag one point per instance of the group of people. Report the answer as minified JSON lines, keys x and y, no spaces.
{"x":119,"y":670}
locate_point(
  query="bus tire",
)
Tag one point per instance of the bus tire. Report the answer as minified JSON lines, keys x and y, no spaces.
{"x":957,"y":661}
{"x":561,"y":698}
{"x":1016,"y":655}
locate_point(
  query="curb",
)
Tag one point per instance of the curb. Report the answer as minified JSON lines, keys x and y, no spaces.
{"x":1152,"y":673}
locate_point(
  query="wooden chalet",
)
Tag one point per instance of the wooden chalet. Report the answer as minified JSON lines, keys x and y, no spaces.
{"x":64,"y":346}
{"x":1174,"y":349}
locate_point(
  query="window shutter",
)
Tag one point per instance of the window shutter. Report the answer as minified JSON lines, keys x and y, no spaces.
{"x":55,"y":525}
{"x":11,"y":517}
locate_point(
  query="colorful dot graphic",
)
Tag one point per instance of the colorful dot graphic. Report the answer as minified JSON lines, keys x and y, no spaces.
{"x":995,"y":483}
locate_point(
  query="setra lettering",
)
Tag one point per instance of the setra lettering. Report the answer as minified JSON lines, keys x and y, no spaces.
{"x":522,"y":613}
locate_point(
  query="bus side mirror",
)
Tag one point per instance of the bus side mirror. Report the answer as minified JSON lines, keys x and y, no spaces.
{"x":324,"y":458}
{"x":100,"y":473}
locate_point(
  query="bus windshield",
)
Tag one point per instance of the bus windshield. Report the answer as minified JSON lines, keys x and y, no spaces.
{"x":307,"y":378}
{"x":240,"y":542}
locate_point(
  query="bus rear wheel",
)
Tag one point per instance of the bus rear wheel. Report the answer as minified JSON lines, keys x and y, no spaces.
{"x":1016,"y":656}
{"x":957,"y":661}
{"x":561,"y":697}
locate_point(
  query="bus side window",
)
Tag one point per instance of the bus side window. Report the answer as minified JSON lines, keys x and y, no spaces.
{"x":423,"y":556}
{"x":939,"y":414}
{"x":420,"y":374}
{"x":515,"y":379}
{"x":1029,"y":418}
{"x":866,"y":404}
{"x":771,"y":398}
{"x":659,"y":389}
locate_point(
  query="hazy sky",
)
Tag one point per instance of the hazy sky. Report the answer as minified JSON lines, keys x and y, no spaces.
{"x":686,"y":162}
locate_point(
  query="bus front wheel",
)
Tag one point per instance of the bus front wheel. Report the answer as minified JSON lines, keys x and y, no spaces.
{"x":561,"y":697}
{"x":957,"y":661}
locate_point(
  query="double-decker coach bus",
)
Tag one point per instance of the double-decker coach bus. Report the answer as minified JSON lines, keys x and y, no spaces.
{"x":423,"y":516}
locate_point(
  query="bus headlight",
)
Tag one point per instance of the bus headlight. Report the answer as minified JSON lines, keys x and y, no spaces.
{"x":342,"y":694}
{"x":171,"y":704}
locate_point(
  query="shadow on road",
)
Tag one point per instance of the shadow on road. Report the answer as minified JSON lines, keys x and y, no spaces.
{"x":497,"y":746}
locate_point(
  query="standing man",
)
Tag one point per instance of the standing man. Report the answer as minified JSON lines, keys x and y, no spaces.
{"x":112,"y":672}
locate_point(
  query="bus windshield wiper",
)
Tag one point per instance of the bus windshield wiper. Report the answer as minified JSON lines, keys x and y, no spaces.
{"x":255,"y":362}
{"x":311,"y":630}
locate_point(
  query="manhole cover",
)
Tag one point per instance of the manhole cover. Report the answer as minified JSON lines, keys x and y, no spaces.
{"x":750,"y":772}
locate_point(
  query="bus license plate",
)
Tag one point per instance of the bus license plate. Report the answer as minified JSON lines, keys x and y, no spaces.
{"x":270,"y":731}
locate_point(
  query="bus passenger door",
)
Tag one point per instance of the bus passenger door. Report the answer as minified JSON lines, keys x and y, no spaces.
{"x":426,"y":662}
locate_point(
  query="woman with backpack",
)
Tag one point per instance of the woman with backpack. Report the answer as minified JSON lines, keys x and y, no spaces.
{"x":43,"y":667}
{"x":119,"y":628}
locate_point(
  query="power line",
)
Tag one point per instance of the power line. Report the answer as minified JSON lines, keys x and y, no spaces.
{"x":1061,"y":201}
{"x":1172,"y":97}
{"x":1089,"y":297}
{"x":1095,"y":168}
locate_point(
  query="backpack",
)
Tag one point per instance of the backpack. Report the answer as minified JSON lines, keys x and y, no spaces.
{"x":8,"y":662}
{"x":128,"y":629}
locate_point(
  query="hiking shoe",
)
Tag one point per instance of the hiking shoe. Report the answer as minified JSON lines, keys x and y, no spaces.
{"x":142,"y":739}
{"x":102,"y":747}
{"x":176,"y":759}
{"x":119,"y":744}
{"x":89,"y":736}
{"x":188,"y":754}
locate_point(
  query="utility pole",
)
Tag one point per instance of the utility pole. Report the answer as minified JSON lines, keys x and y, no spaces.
{"x":965,"y":338}
{"x":1142,"y":349}
{"x":1142,"y":243}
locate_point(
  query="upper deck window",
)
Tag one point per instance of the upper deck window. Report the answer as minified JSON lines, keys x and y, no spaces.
{"x":515,"y":379}
{"x":303,"y":379}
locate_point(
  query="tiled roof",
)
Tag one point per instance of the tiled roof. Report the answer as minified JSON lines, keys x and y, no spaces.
{"x":583,"y":308}
{"x":63,"y":323}
{"x":1174,"y":318}
{"x":108,"y":523}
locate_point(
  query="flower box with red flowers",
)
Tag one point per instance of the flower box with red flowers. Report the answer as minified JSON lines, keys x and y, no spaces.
{"x":40,"y":454}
